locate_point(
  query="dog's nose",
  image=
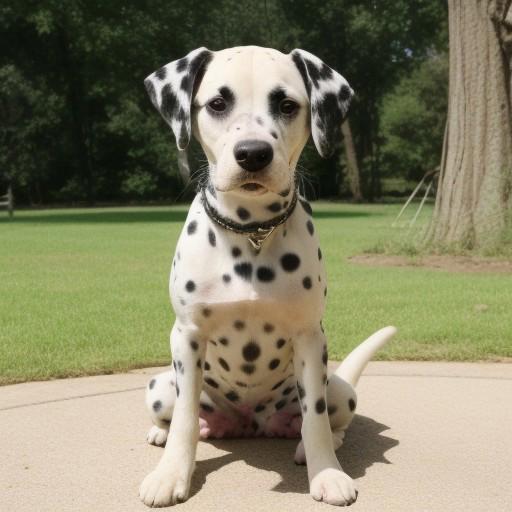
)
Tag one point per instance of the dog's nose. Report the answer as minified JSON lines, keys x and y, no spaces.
{"x":253,"y":155}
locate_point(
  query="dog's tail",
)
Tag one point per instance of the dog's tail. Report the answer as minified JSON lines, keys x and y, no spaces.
{"x":353,"y":365}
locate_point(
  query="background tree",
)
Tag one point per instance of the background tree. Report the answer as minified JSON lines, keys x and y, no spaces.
{"x":101,"y":140}
{"x":474,"y":198}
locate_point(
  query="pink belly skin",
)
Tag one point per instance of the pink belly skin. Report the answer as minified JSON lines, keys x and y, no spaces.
{"x":245,"y":423}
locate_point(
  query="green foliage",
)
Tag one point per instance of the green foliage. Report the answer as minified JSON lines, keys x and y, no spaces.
{"x":413,"y":117}
{"x":84,"y":128}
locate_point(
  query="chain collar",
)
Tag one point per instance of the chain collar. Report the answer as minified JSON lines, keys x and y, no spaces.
{"x":256,"y":232}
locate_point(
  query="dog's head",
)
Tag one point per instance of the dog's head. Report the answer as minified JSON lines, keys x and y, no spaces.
{"x":252,"y":109}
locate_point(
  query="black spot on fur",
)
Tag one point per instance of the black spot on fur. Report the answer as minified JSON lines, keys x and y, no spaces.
{"x":274,"y":134}
{"x":223,"y":341}
{"x":207,"y":366}
{"x":198,"y":364}
{"x":194,"y":345}
{"x":232,"y":396}
{"x":244,"y":270}
{"x":331,"y":409}
{"x":280,"y":404}
{"x":190,"y":286}
{"x":238,"y":325}
{"x":181,"y":65}
{"x":251,"y":351}
{"x":301,"y":391}
{"x":206,"y":312}
{"x":152,"y":383}
{"x":265,"y":274}
{"x":185,"y":84}
{"x":290,"y":262}
{"x":319,"y":254}
{"x":268,"y":328}
{"x":324,"y":355}
{"x":177,"y":390}
{"x":306,"y":206}
{"x":351,"y":404}
{"x":273,"y":364}
{"x":344,"y":93}
{"x":211,"y":238}
{"x":320,"y":406}
{"x":226,"y":278}
{"x":161,"y":73}
{"x":275,"y":96}
{"x":236,"y":252}
{"x":157,"y":405}
{"x":306,"y":282}
{"x":169,"y":106}
{"x":181,"y":368}
{"x":248,"y":368}
{"x":280,"y":343}
{"x":242,"y":213}
{"x":259,"y":408}
{"x":311,"y":228}
{"x":275,"y":386}
{"x":274,"y":207}
{"x":288,"y":390}
{"x":330,"y":116}
{"x":192,"y":227}
{"x":224,"y":364}
{"x":206,"y":407}
{"x":211,"y":382}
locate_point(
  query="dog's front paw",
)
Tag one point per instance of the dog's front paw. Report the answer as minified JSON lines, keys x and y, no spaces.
{"x":333,"y":486}
{"x":162,"y":487}
{"x":157,"y":436}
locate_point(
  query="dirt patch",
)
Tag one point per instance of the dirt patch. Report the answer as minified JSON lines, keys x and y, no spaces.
{"x":441,"y":262}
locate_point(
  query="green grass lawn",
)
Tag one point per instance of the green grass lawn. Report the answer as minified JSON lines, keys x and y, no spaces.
{"x":85,"y":291}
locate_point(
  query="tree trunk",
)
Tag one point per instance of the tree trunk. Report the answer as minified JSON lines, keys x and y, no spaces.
{"x":474,"y":196}
{"x":354,"y":181}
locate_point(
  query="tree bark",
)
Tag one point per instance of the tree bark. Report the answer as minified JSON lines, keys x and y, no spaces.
{"x":353,"y":175}
{"x":474,"y":198}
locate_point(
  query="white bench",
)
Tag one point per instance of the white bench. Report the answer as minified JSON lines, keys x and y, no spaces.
{"x":8,"y":201}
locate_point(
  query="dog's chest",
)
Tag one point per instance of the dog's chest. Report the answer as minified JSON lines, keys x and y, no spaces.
{"x":216,"y":269}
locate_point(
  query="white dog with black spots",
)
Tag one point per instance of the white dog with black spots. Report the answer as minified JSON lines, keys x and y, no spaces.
{"x":247,"y":283}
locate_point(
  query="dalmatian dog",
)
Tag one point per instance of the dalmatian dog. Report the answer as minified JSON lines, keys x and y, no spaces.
{"x":247,"y":282}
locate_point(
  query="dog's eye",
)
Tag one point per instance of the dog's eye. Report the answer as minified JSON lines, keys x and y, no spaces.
{"x":217,"y":104}
{"x":288,"y":107}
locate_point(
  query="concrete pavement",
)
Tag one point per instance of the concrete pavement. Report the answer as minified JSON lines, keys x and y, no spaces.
{"x":427,"y":437}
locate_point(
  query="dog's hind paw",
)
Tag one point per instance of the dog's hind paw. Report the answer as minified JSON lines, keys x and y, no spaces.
{"x":157,"y":435}
{"x":300,"y":454}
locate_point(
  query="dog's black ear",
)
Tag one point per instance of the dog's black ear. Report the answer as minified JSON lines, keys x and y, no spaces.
{"x":329,"y":95}
{"x":171,"y":89}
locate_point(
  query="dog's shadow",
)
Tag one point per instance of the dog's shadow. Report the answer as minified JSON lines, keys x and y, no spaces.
{"x":364,"y":445}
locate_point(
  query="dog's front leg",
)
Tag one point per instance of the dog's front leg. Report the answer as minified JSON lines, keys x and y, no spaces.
{"x":327,"y":481}
{"x":169,"y":483}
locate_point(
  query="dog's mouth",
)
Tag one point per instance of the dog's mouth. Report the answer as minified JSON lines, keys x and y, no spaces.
{"x":253,"y":188}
